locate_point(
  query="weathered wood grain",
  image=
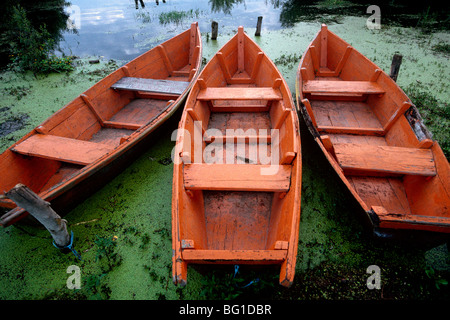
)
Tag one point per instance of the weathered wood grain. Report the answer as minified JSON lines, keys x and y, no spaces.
{"x":150,"y":85}
{"x":234,"y":177}
{"x":236,"y":93}
{"x":388,"y":159}
{"x":342,"y":87}
{"x":62,"y":149}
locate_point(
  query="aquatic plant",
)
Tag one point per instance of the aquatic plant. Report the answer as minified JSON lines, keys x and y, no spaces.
{"x":287,"y":59}
{"x":439,"y":281}
{"x":95,"y":289}
{"x":18,"y":91}
{"x":177,"y":16}
{"x":106,"y":249}
{"x":32,"y":49}
{"x":220,"y":284}
{"x":442,"y":47}
{"x":435,"y":113}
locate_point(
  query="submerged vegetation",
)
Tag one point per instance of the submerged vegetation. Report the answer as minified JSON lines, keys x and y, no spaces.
{"x":178,"y":17}
{"x":442,"y":48}
{"x":288,"y":59}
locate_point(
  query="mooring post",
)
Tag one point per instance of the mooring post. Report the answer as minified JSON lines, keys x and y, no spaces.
{"x":142,"y":3}
{"x":258,"y":26}
{"x":395,"y":66}
{"x":25,"y":198}
{"x":214,"y":30}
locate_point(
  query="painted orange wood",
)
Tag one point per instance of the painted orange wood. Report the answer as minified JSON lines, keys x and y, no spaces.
{"x":388,"y":159}
{"x":343,"y":87}
{"x":62,"y":149}
{"x":408,"y":221}
{"x":323,"y":46}
{"x":347,"y":114}
{"x":122,"y":125}
{"x":352,"y":130}
{"x":57,"y":159}
{"x":241,"y":50}
{"x":236,"y":177}
{"x":398,"y":174}
{"x":235,"y":256}
{"x":239,"y":94}
{"x":233,"y":212}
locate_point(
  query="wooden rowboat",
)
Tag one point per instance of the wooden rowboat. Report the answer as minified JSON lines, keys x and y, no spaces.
{"x":237,"y":166}
{"x":71,"y":154}
{"x":373,"y":137}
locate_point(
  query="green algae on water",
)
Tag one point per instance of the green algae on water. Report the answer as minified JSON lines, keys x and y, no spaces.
{"x":134,"y":209}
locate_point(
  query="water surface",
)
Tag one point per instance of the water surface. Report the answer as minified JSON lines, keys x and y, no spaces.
{"x":121,"y":30}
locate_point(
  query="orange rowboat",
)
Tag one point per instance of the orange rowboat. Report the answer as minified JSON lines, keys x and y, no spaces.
{"x":71,"y":154}
{"x":373,"y":137}
{"x":237,"y":166}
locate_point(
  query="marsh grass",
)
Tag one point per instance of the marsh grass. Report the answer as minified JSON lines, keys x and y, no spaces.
{"x":177,"y":17}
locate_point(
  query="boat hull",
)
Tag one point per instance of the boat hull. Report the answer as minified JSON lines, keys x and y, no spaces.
{"x":373,"y":137}
{"x":119,"y":124}
{"x":225,"y":210}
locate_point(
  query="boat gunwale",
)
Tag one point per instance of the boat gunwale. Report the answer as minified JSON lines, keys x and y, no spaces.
{"x":133,"y":139}
{"x":288,"y":265}
{"x":371,"y":216}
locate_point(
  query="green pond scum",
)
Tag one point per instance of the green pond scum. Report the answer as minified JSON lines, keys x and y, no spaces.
{"x":123,"y":231}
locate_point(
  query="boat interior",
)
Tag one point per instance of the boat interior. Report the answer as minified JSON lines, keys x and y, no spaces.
{"x":111,"y":113}
{"x":244,"y":112}
{"x":389,"y":164}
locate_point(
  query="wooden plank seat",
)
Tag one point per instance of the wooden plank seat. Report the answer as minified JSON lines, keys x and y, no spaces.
{"x":341,"y":87}
{"x":352,"y":130}
{"x":354,"y":158}
{"x":234,"y":256}
{"x":237,"y":93}
{"x":235,"y":177}
{"x":62,"y":149}
{"x":151,"y":85}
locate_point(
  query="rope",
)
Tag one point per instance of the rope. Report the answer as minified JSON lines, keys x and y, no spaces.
{"x":236,"y":271}
{"x":69,"y":246}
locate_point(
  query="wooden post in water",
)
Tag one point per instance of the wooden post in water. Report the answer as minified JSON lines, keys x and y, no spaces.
{"x":214,"y":30}
{"x":258,"y":26}
{"x":395,"y":66}
{"x":41,"y":210}
{"x":142,"y":4}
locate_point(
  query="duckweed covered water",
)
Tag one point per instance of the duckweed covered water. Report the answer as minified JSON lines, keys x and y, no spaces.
{"x":134,"y":210}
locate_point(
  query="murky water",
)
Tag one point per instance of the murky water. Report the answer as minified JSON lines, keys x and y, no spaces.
{"x":122,"y":30}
